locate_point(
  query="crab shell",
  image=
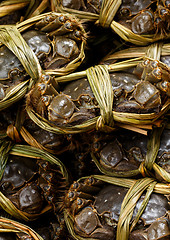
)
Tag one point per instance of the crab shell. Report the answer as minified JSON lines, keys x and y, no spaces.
{"x":92,"y":6}
{"x":32,"y":186}
{"x":96,"y":212}
{"x":12,"y":72}
{"x":126,"y":150}
{"x":132,"y":7}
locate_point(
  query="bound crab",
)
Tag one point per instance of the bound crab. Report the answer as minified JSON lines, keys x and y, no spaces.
{"x":149,"y":93}
{"x":125,"y":154}
{"x":44,"y":186}
{"x":145,"y":17}
{"x":93,"y":210}
{"x":61,"y":108}
{"x":145,"y":90}
{"x":58,"y":42}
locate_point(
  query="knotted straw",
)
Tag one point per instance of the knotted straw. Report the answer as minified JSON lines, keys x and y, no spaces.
{"x":144,"y":121}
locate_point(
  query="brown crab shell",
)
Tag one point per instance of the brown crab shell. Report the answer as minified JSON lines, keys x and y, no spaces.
{"x":126,"y":155}
{"x":94,"y":218}
{"x":130,"y":108}
{"x":15,"y":192}
{"x":17,"y":72}
{"x":124,"y":11}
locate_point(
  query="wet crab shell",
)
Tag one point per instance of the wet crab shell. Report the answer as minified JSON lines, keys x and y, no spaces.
{"x":132,"y":7}
{"x":127,"y":89}
{"x":51,"y":142}
{"x":92,"y":6}
{"x":11,"y":70}
{"x":28,"y":199}
{"x":115,"y":195}
{"x":17,"y":173}
{"x":145,"y":17}
{"x":142,"y":23}
{"x":96,"y":209}
{"x":61,"y":109}
{"x":76,"y":103}
{"x":58,"y":47}
{"x":36,"y":40}
{"x":125,"y":151}
{"x":164,"y":154}
{"x":31,"y":187}
{"x":114,"y":157}
{"x":16,"y":184}
{"x":166,"y":60}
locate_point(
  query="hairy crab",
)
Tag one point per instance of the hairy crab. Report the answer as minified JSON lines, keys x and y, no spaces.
{"x":146,"y":90}
{"x":61,"y":108}
{"x":124,"y":153}
{"x":95,"y":209}
{"x":32,"y":187}
{"x":145,"y":17}
{"x":142,"y":17}
{"x":51,"y":142}
{"x":57,"y":41}
{"x":151,"y":91}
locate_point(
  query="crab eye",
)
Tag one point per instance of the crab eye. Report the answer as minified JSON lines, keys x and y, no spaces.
{"x":14,"y":73}
{"x":154,"y":64}
{"x":78,"y":34}
{"x":163,"y":12}
{"x":79,"y":201}
{"x":68,"y":25}
{"x":71,"y":194}
{"x":75,"y":185}
{"x":62,"y":19}
{"x":125,"y":12}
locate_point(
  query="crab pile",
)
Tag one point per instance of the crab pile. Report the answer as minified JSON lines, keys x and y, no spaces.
{"x":84,"y":120}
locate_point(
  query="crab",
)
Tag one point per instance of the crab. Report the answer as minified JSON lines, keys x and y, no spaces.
{"x":32,"y":186}
{"x":95,"y":209}
{"x":54,"y":143}
{"x":121,"y":151}
{"x":61,"y":108}
{"x":149,"y":94}
{"x":163,"y":153}
{"x":143,"y":91}
{"x":56,"y":41}
{"x":145,"y":17}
